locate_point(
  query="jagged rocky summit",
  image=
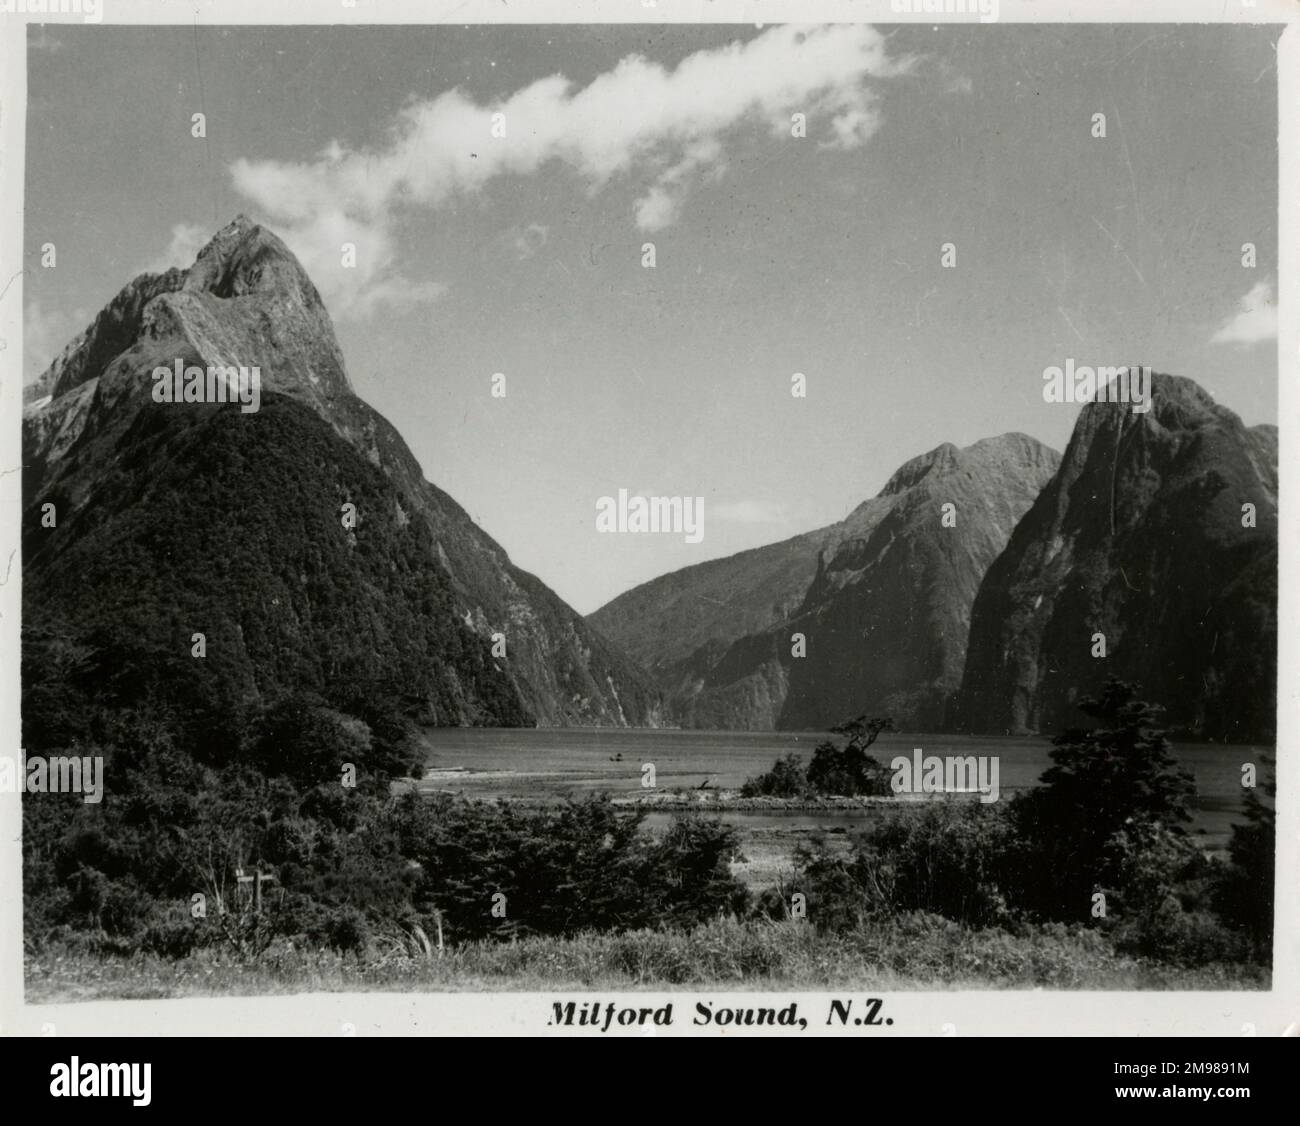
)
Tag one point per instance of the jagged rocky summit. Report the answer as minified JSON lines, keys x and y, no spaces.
{"x":173,"y":517}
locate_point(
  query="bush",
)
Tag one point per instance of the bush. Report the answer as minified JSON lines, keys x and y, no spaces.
{"x":347,"y":931}
{"x":690,"y":876}
{"x":172,"y":933}
{"x":302,"y":739}
{"x":584,"y":865}
{"x":834,"y":771}
{"x":1186,"y":938}
{"x":785,"y":780}
{"x":948,"y":859}
{"x":847,"y":772}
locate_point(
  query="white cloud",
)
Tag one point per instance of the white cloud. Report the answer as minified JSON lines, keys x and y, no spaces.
{"x":1255,"y":320}
{"x":662,"y":204}
{"x":186,"y":242}
{"x":664,"y":130}
{"x":355,"y":291}
{"x":851,"y":128}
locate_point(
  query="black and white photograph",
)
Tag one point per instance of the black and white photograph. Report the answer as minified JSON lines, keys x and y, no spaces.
{"x":730,"y":509}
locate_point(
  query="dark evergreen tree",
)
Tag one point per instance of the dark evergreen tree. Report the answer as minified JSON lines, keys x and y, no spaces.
{"x":1243,"y":894}
{"x":1102,"y":780}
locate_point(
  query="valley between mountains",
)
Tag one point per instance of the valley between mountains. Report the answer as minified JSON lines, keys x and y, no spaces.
{"x":967,"y":595}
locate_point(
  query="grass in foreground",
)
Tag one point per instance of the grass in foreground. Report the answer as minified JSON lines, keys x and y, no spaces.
{"x":916,"y":952}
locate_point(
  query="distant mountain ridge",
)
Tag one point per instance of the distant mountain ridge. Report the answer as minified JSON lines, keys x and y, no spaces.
{"x":1138,"y":543}
{"x":246,"y":301}
{"x":882,"y":600}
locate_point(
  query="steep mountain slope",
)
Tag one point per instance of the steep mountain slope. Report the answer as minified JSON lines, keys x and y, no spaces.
{"x":1140,"y":538}
{"x":664,"y":623}
{"x":246,"y":301}
{"x":888,"y":617}
{"x":206,"y":522}
{"x":884,"y":605}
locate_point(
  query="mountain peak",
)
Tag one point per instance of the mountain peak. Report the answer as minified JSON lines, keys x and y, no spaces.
{"x":1140,"y":537}
{"x":1174,"y":401}
{"x":95,"y":438}
{"x":1003,"y":452}
{"x":245,"y":301}
{"x":244,"y":257}
{"x":222,"y":245}
{"x":1174,"y":410}
{"x":939,"y":460}
{"x":886,"y":591}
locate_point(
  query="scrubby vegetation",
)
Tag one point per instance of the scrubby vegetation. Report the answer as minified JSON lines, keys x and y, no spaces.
{"x":155,"y":867}
{"x":916,"y":951}
{"x":846,"y":771}
{"x":1099,"y":844}
{"x":248,"y":793}
{"x":293,"y":859}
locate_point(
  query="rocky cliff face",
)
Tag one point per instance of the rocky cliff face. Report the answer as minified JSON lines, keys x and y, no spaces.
{"x":880,"y":601}
{"x":1143,"y":538}
{"x":246,"y":301}
{"x":887,"y":617}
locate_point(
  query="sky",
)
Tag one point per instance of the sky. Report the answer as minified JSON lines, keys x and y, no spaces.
{"x":774,"y":254}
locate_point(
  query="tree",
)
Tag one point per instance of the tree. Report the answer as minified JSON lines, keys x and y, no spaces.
{"x":1103,"y":780}
{"x":862,"y":732}
{"x":691,"y":873}
{"x":1243,"y":894}
{"x":840,"y":771}
{"x":301,"y":738}
{"x":848,"y":771}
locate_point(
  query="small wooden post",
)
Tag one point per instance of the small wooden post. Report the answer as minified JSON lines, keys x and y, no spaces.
{"x":262,"y":877}
{"x":257,"y":881}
